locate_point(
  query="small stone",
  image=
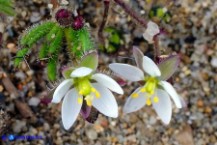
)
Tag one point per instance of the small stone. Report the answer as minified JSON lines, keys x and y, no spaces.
{"x":20,"y":75}
{"x":98,"y":128}
{"x":35,"y":17}
{"x":12,"y":47}
{"x":214,"y":62}
{"x":18,"y":125}
{"x":34,"y":101}
{"x":152,"y":120}
{"x":64,"y":2}
{"x":208,"y":110}
{"x":200,"y":103}
{"x":46,"y":126}
{"x":91,"y":134}
{"x":33,"y":131}
{"x":29,"y":72}
{"x":1,"y":88}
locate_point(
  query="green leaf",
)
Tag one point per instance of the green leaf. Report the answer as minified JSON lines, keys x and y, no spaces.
{"x":52,"y":69}
{"x":115,"y":38}
{"x":36,"y":33}
{"x":43,"y":52}
{"x":90,"y":60}
{"x":55,"y":45}
{"x":6,"y":7}
{"x":52,"y":34}
{"x":168,"y":66}
{"x":19,"y":57}
{"x":85,"y":40}
{"x":111,"y":48}
{"x":73,"y":43}
{"x":8,"y":3}
{"x":67,"y":72}
{"x":114,"y":35}
{"x":160,"y":13}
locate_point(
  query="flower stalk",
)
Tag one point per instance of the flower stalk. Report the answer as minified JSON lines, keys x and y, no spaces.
{"x":104,"y":20}
{"x":132,"y":13}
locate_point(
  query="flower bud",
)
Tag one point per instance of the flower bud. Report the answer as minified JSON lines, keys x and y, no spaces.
{"x":63,"y":17}
{"x":78,"y":23}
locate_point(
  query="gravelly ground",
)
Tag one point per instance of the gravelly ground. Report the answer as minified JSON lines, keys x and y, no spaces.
{"x":191,"y":33}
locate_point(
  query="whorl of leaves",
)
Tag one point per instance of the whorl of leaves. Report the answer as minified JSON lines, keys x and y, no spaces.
{"x":78,"y":42}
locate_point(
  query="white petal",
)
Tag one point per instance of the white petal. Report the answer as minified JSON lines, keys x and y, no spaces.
{"x":138,"y":55}
{"x":148,"y":37}
{"x":163,"y":108}
{"x":150,"y":67}
{"x":70,"y":108}
{"x":81,"y":72}
{"x":134,"y":104}
{"x":128,"y":72}
{"x":108,"y":82}
{"x":106,"y":104}
{"x":152,"y":28}
{"x":172,"y":92}
{"x":61,"y":90}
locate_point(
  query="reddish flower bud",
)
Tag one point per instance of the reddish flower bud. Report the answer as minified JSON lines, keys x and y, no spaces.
{"x":63,"y":17}
{"x":78,"y":23}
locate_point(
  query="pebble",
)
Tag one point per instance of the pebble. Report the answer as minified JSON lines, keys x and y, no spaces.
{"x":35,"y":17}
{"x":214,"y":62}
{"x":18,"y":125}
{"x":46,"y":126}
{"x":91,"y":134}
{"x":20,"y":75}
{"x":12,"y":47}
{"x":34,"y":101}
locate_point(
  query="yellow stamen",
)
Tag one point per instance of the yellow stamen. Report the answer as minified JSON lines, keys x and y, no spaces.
{"x":135,"y":95}
{"x":93,"y":90}
{"x":89,"y":102}
{"x":89,"y":99}
{"x":97,"y":94}
{"x":148,"y":102}
{"x":156,"y":99}
{"x":150,"y":86}
{"x":143,"y":90}
{"x":80,"y":92}
{"x":80,"y":100}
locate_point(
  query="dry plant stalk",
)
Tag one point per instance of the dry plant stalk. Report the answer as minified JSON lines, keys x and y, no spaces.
{"x":22,"y":107}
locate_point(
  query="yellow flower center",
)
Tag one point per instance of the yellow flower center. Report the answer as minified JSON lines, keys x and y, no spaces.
{"x":149,"y":90}
{"x":150,"y":86}
{"x":85,"y":89}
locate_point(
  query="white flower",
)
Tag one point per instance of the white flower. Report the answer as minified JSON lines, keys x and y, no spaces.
{"x":83,"y":85}
{"x":156,"y":90}
{"x":151,"y":30}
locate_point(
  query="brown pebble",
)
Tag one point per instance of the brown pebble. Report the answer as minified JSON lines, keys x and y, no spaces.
{"x":204,"y":75}
{"x":12,"y":47}
{"x":104,"y":123}
{"x":20,"y":87}
{"x":1,"y":88}
{"x":200,"y":103}
{"x":208,"y":110}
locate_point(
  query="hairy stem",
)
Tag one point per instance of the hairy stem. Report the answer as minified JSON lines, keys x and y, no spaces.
{"x":104,"y":20}
{"x":132,"y":13}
